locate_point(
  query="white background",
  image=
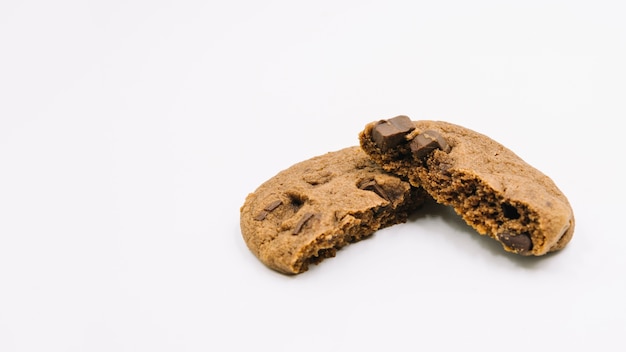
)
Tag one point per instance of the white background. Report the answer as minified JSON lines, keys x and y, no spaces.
{"x":131,"y":132}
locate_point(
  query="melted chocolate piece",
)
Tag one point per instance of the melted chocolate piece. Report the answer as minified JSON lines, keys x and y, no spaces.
{"x":426,"y":142}
{"x":303,"y":220}
{"x":520,"y":243}
{"x":273,"y":205}
{"x":371,"y":185}
{"x":268,"y":209}
{"x":390,"y":133}
{"x":261,"y":215}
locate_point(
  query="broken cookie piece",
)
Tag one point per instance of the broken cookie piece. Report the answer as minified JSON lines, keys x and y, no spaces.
{"x":310,"y":210}
{"x":494,"y":190}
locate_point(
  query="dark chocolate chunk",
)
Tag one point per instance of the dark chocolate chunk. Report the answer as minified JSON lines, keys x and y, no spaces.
{"x":268,"y":209}
{"x":390,"y":133}
{"x":426,"y":142}
{"x":371,"y":185}
{"x":273,"y":205}
{"x":520,"y":243}
{"x":261,"y":215}
{"x":303,"y":220}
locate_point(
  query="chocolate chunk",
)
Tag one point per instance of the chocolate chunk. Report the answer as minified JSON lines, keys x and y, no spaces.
{"x":390,"y":133}
{"x":371,"y":185}
{"x":273,"y":205}
{"x":426,"y":142}
{"x":520,"y":243}
{"x":268,"y":209}
{"x":303,"y":220}
{"x":261,"y":215}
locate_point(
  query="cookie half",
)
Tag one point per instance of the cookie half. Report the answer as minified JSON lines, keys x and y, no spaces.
{"x":493,"y":189}
{"x":307,"y":212}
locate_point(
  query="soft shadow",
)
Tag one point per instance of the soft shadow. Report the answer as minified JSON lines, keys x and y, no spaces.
{"x":432,"y":209}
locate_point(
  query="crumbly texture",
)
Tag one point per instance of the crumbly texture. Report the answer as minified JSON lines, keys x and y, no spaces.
{"x":493,"y":189}
{"x":307,"y":212}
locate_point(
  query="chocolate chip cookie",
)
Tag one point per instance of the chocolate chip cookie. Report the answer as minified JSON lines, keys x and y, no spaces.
{"x":307,"y":212}
{"x":494,"y":190}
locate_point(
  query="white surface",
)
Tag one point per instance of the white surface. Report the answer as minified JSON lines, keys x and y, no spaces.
{"x":131,"y":132}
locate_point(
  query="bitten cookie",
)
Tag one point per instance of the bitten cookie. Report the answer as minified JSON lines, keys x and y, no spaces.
{"x":493,"y":189}
{"x":307,"y":212}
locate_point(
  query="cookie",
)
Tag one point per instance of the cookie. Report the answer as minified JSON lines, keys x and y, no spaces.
{"x":307,"y":212}
{"x":493,"y":189}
